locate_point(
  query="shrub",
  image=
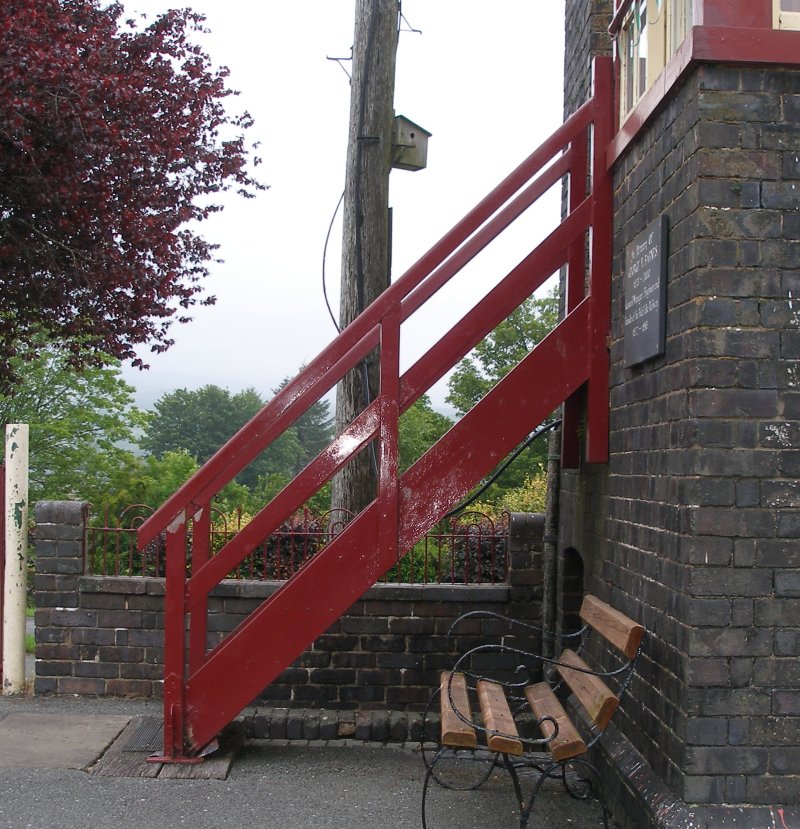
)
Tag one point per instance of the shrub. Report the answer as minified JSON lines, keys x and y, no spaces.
{"x":531,"y":496}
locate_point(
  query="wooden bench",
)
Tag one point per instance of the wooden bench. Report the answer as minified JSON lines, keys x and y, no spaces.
{"x":595,"y":673}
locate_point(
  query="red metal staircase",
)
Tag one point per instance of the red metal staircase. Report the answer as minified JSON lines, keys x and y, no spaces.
{"x":204,"y":690}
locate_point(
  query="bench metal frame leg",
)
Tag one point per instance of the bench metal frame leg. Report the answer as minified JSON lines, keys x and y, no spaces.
{"x":559,"y":769}
{"x":491,"y":761}
{"x":554,"y":769}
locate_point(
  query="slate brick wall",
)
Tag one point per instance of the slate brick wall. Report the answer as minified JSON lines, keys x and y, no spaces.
{"x":104,"y":636}
{"x":692,"y":527}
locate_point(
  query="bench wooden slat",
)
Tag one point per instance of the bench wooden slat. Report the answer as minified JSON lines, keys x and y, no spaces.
{"x":622,"y":632}
{"x":592,"y":693}
{"x":568,"y":742}
{"x":455,"y":732}
{"x":497,"y":717}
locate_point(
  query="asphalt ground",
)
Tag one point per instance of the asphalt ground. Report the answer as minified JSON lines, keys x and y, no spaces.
{"x":48,"y":743}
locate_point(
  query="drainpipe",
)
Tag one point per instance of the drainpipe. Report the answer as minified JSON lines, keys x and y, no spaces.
{"x":16,"y":554}
{"x":550,"y":545}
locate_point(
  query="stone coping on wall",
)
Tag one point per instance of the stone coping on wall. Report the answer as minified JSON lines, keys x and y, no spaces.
{"x":315,"y":724}
{"x":245,"y":589}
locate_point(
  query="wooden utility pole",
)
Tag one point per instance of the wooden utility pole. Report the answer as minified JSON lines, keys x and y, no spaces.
{"x":366,"y":235}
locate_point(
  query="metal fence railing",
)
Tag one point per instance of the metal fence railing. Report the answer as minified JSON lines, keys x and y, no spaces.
{"x":470,"y":548}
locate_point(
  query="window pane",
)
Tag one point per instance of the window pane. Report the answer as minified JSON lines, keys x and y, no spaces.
{"x":790,"y":5}
{"x":629,"y":57}
{"x":643,"y":33}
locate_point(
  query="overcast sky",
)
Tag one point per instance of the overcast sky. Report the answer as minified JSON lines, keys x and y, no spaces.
{"x":484,"y":79}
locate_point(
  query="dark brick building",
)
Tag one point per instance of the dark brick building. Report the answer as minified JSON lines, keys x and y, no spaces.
{"x":693,"y":525}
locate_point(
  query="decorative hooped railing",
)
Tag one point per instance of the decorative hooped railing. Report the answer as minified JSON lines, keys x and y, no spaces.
{"x":469,"y":548}
{"x":204,"y":690}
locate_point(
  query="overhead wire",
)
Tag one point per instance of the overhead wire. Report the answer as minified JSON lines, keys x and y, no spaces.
{"x":324,"y":259}
{"x":357,"y":195}
{"x":537,"y":433}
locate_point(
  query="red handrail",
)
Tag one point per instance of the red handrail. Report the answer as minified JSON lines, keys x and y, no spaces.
{"x":413,"y":289}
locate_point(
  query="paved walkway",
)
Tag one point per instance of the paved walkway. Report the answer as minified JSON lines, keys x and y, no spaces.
{"x":46,"y":745}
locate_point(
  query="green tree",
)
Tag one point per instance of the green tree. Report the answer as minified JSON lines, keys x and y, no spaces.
{"x":201,"y":421}
{"x":501,"y":350}
{"x":197,"y":422}
{"x":490,"y":361}
{"x":419,"y":428}
{"x":82,"y":425}
{"x":314,"y":430}
{"x":151,"y":480}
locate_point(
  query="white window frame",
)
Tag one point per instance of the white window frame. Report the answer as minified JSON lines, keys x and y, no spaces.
{"x":784,"y":19}
{"x":644,"y":56}
{"x":628,"y":45}
{"x":680,"y":16}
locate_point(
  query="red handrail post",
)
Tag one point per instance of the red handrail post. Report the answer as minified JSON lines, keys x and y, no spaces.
{"x":389,"y":449}
{"x":175,"y":646}
{"x":198,"y":618}
{"x":575,"y":289}
{"x":597,"y":404}
{"x":594,"y":396}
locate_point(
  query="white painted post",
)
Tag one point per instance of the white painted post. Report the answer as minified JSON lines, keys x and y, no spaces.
{"x":14,"y":590}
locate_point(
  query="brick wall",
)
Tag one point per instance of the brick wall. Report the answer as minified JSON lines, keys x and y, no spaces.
{"x":104,"y":636}
{"x":586,"y":36}
{"x":692,"y":525}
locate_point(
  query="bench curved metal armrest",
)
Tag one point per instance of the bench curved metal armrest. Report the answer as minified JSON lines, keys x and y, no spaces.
{"x":460,"y":667}
{"x":512,"y":623}
{"x":461,"y":664}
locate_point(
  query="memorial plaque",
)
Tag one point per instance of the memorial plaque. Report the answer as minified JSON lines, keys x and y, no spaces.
{"x":645,"y":287}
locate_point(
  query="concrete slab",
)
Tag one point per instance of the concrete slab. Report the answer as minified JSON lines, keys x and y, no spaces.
{"x":56,"y":741}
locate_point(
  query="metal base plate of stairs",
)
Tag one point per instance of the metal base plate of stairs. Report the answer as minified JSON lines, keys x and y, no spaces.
{"x":143,"y":737}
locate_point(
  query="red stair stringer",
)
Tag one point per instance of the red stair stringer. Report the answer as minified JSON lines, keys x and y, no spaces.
{"x":318,"y":594}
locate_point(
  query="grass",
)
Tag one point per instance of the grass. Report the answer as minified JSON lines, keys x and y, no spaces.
{"x":30,"y":641}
